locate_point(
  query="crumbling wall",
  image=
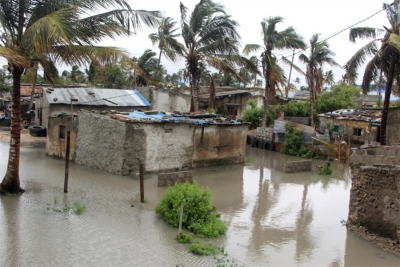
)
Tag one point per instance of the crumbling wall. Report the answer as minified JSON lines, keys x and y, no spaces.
{"x":297,"y":166}
{"x":56,"y":146}
{"x":375,"y":199}
{"x":393,"y":126}
{"x":219,"y":144}
{"x":375,"y":192}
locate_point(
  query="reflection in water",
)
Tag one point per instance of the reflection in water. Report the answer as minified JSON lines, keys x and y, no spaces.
{"x":274,"y":218}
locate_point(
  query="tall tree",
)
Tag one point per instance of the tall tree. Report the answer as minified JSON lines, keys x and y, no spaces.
{"x":210,"y":38}
{"x":58,"y":31}
{"x":385,"y":58}
{"x":150,"y":69}
{"x":319,"y":54}
{"x":166,"y":39}
{"x":273,"y":40}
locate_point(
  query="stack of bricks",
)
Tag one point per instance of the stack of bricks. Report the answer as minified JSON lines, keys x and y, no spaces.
{"x":166,"y":179}
{"x":265,"y":133}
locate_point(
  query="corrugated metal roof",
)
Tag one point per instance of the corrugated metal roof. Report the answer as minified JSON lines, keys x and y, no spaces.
{"x":162,"y":117}
{"x":96,"y":97}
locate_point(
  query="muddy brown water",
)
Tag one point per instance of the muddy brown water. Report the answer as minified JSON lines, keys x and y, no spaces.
{"x":274,"y":219}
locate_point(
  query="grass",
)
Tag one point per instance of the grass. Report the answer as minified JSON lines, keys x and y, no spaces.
{"x":79,"y":208}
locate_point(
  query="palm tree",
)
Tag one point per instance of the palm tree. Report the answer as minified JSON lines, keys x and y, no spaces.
{"x":297,"y":80}
{"x":329,"y":78}
{"x":319,"y":54}
{"x":58,"y":31}
{"x":150,"y":69}
{"x":166,"y":39}
{"x":385,"y":59}
{"x":210,"y":38}
{"x":273,"y":40}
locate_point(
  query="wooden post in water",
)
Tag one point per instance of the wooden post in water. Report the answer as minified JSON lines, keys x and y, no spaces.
{"x":180,"y":219}
{"x":67,"y":163}
{"x":141,"y":183}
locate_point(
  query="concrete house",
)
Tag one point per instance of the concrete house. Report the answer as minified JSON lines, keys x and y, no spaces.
{"x":56,"y":101}
{"x":118,"y":143}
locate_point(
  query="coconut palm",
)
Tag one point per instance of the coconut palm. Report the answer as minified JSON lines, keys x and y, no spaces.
{"x":150,"y":69}
{"x":273,"y":40}
{"x":329,"y":78}
{"x":166,"y":39}
{"x":319,"y":54}
{"x":385,"y":58}
{"x":211,"y":39}
{"x":58,"y":31}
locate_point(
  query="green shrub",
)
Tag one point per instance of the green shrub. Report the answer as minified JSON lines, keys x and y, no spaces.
{"x":184,"y":238}
{"x":254,"y":114}
{"x":297,"y":109}
{"x":200,"y":249}
{"x":325,"y":170}
{"x":294,"y":144}
{"x":199,"y":216}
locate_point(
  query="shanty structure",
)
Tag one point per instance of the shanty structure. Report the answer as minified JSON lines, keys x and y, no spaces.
{"x":62,"y":101}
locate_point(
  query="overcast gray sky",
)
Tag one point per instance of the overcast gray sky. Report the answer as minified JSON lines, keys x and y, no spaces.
{"x":306,"y":16}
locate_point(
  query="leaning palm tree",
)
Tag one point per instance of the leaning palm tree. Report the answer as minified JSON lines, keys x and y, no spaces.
{"x":166,"y":39}
{"x":384,"y":58}
{"x":150,"y":69}
{"x":211,"y":39}
{"x":58,"y":31}
{"x":273,"y":40}
{"x":319,"y":54}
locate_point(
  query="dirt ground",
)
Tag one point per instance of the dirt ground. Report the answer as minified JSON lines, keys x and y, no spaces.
{"x":386,"y":244}
{"x":25,"y":137}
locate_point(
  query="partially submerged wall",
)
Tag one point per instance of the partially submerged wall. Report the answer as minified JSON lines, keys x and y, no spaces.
{"x":297,"y":166}
{"x":219,"y":144}
{"x":120,"y":145}
{"x":375,"y":192}
{"x":57,"y":142}
{"x":266,"y":133}
{"x":393,"y":126}
{"x":166,"y":179}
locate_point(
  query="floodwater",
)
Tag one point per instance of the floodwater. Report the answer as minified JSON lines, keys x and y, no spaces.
{"x":274,"y":219}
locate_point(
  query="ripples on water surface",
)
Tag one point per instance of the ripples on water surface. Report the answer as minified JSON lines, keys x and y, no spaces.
{"x":274,"y":219}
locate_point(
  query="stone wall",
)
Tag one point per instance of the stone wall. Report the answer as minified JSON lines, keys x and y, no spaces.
{"x":393,"y":127}
{"x":266,"y":133}
{"x":375,"y":199}
{"x":166,"y":179}
{"x":375,"y":192}
{"x":297,"y":166}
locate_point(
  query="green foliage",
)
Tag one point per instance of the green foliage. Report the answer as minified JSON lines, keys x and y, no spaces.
{"x":212,"y":111}
{"x":343,"y":222}
{"x":79,"y":208}
{"x":294,"y":144}
{"x":297,"y":109}
{"x":199,"y":216}
{"x":254,"y":114}
{"x":184,"y":238}
{"x":325,"y":170}
{"x":110,"y":76}
{"x":200,"y":249}
{"x":330,"y":126}
{"x":341,"y":97}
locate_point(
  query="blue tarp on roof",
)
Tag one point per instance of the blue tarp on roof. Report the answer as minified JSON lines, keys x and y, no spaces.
{"x":161,"y":116}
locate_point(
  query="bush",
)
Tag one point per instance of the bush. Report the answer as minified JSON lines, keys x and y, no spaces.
{"x":325,"y":170}
{"x":297,"y":109}
{"x":254,"y":114}
{"x":199,"y":216}
{"x":184,"y":238}
{"x":294,"y":144}
{"x":200,"y":249}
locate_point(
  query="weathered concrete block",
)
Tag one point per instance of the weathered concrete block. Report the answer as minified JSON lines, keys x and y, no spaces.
{"x":377,"y":159}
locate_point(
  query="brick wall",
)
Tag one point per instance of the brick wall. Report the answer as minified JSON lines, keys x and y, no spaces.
{"x":297,"y":166}
{"x":389,"y":155}
{"x":266,"y":133}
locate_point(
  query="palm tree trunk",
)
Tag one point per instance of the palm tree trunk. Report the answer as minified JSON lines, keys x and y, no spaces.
{"x":33,"y":88}
{"x":379,"y":88}
{"x":159,"y":58}
{"x":212,"y":94}
{"x":311,"y":107}
{"x":388,"y":90}
{"x":290,"y":75}
{"x":266,"y":97}
{"x":11,"y":183}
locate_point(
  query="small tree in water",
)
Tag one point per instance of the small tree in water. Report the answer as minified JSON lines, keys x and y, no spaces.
{"x":199,"y":216}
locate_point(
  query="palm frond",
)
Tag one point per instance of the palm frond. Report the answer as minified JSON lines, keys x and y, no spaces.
{"x":359,"y":58}
{"x":223,"y":66}
{"x":365,"y":33}
{"x":14,"y":57}
{"x":294,"y":66}
{"x":250,"y":48}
